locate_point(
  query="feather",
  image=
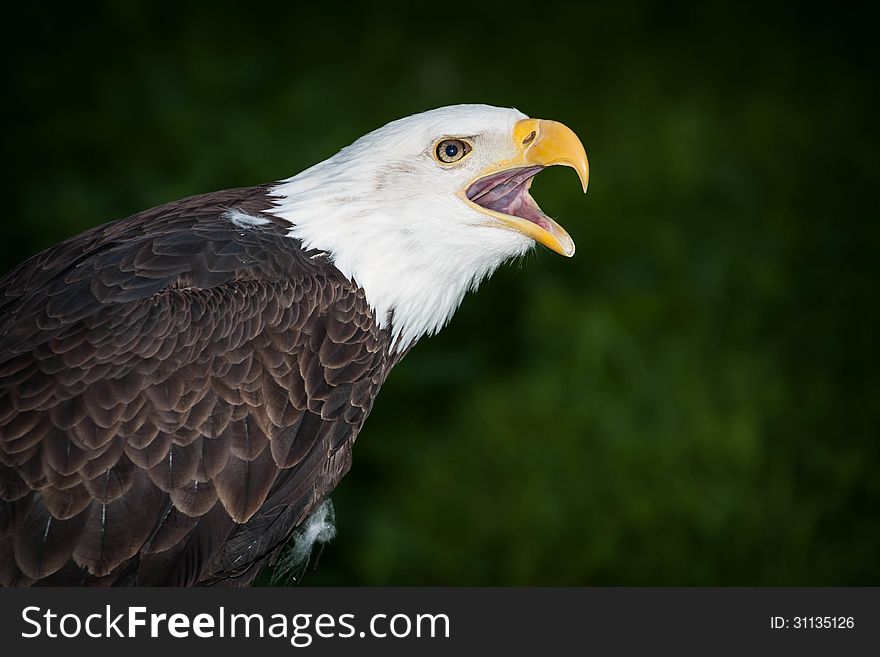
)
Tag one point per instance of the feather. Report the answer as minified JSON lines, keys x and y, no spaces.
{"x":247,"y":440}
{"x":178,"y":466}
{"x":43,"y":542}
{"x":66,"y":503}
{"x":12,"y":486}
{"x":184,"y":563}
{"x":115,"y":531}
{"x":112,"y":483}
{"x":102,"y":459}
{"x":172,"y":529}
{"x":61,"y":454}
{"x":194,"y":498}
{"x":243,"y":485}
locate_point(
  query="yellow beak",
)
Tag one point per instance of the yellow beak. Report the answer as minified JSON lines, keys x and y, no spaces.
{"x":542,"y":143}
{"x":548,"y":143}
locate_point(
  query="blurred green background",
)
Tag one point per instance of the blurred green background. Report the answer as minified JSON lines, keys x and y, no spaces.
{"x":693,"y":399}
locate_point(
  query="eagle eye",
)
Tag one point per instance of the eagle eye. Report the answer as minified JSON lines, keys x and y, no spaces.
{"x":451,"y":150}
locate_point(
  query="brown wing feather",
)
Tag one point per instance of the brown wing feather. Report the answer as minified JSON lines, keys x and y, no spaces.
{"x":176,"y":395}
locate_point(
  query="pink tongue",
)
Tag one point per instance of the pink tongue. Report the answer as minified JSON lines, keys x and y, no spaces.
{"x":522,"y":206}
{"x":507,"y":193}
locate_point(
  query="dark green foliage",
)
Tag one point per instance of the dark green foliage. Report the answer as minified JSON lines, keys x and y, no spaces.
{"x":693,"y":399}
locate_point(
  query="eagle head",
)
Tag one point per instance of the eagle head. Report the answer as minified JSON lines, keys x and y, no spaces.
{"x":423,"y":209}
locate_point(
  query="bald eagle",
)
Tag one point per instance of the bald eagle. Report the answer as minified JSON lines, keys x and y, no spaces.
{"x":181,"y":389}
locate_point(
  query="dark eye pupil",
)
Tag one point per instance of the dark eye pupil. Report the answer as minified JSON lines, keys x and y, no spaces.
{"x":451,"y":150}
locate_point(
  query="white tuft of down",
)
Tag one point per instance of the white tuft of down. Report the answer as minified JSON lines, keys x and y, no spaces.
{"x":317,"y":528}
{"x":393,"y":220}
{"x":244,"y":220}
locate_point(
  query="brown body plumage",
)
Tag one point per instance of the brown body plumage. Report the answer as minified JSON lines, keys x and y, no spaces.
{"x":177,"y":393}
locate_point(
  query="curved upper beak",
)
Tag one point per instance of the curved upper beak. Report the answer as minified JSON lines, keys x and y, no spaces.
{"x":548,"y":143}
{"x":539,"y":143}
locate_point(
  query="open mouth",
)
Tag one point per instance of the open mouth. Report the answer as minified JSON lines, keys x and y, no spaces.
{"x":508,"y":193}
{"x":505,"y":196}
